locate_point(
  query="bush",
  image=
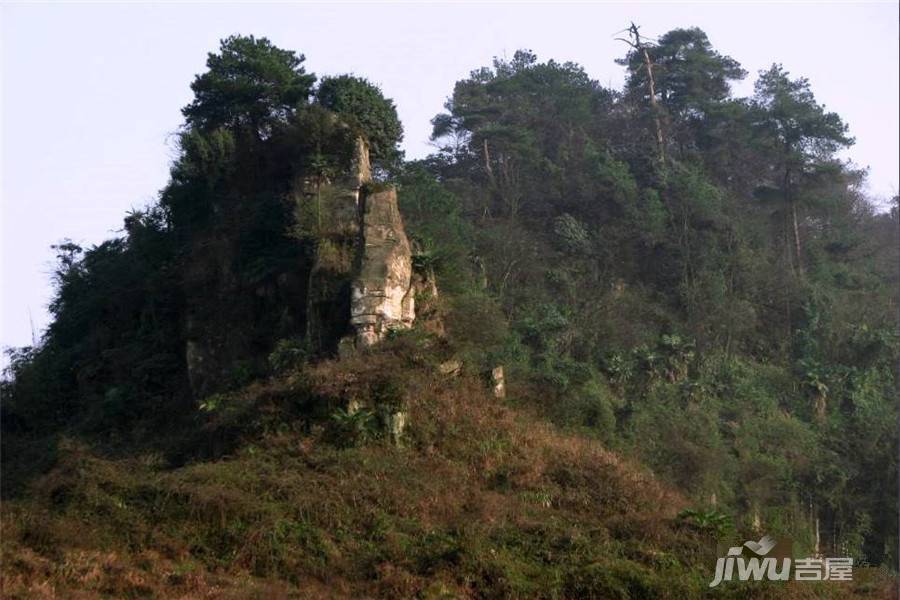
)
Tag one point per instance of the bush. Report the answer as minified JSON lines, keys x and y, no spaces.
{"x":288,"y":354}
{"x":351,"y":428}
{"x":710,"y":522}
{"x":591,"y":406}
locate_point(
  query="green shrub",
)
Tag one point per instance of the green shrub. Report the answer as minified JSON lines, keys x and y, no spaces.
{"x":288,"y":354}
{"x":710,"y":522}
{"x":352,"y":428}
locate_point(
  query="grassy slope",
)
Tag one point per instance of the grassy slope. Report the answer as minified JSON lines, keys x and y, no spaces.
{"x":483,"y":500}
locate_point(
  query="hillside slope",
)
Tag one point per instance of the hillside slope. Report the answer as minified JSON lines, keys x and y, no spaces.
{"x":480,"y":500}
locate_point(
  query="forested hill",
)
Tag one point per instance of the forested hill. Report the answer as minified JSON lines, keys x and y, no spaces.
{"x":609,"y":329}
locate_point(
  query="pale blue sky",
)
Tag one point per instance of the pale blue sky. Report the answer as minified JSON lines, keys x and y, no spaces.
{"x":91,"y":93}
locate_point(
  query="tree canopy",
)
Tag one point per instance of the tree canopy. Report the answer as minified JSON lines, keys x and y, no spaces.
{"x":364,"y":105}
{"x":250,"y":83}
{"x":689,"y":73}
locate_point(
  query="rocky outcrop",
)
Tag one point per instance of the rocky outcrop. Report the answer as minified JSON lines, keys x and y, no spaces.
{"x":382,"y":297}
{"x":353,"y":288}
{"x":498,"y":382}
{"x":362,"y":284}
{"x":357,"y":285}
{"x":335,"y":221}
{"x":450,"y":368}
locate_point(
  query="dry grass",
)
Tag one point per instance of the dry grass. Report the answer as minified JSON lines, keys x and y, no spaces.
{"x":482,"y":500}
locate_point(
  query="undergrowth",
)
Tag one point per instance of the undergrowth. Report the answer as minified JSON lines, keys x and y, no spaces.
{"x":481,"y":500}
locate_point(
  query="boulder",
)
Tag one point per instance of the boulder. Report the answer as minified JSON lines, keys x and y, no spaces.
{"x":395,"y":425}
{"x":451,"y":368}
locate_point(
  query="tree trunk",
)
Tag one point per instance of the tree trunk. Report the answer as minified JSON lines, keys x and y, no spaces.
{"x":318,"y":205}
{"x":489,"y":170}
{"x":487,"y":162}
{"x":797,"y":238}
{"x":818,"y":552}
{"x":788,"y":276}
{"x":654,"y":105}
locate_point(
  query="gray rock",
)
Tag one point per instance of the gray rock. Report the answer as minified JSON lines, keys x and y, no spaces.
{"x":396,"y":426}
{"x":450,"y":368}
{"x":498,"y":382}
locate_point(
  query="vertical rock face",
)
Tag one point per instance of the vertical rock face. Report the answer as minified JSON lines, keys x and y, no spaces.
{"x":382,"y":296}
{"x":357,"y":286}
{"x":337,"y":207}
{"x":362,"y":284}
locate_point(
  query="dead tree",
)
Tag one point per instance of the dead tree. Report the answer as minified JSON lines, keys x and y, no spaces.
{"x":640,"y":47}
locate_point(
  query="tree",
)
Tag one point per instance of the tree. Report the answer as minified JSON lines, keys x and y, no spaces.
{"x":364,"y":106}
{"x":250,"y":84}
{"x":521,"y":125}
{"x":804,"y":138}
{"x":690,"y":74}
{"x":687,"y":74}
{"x":639,"y":51}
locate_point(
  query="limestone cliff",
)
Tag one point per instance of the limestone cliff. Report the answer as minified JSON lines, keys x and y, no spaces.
{"x":362,"y":284}
{"x":383,"y":297}
{"x":357,"y":285}
{"x":337,"y":207}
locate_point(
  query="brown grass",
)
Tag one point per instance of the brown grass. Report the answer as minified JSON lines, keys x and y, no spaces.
{"x":482,"y":500}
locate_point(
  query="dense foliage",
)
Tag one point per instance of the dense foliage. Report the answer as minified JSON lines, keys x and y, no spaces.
{"x":707,"y":311}
{"x":721,"y":308}
{"x":250,"y":84}
{"x":361,"y":103}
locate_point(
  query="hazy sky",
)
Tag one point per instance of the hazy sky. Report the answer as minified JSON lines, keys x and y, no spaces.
{"x":91,"y":93}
